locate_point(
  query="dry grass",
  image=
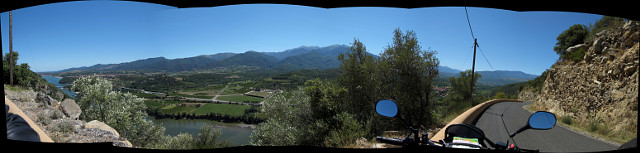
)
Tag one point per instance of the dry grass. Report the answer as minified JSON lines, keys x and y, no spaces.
{"x":593,"y":127}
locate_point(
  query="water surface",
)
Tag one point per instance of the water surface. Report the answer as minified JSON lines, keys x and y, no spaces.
{"x":236,"y":135}
{"x":55,"y":81}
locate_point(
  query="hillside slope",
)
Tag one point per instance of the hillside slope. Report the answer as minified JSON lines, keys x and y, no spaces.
{"x":602,"y":88}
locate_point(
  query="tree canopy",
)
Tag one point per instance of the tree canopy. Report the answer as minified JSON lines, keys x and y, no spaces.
{"x":575,"y":35}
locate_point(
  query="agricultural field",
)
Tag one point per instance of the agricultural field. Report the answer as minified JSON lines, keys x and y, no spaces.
{"x":201,"y":95}
{"x":240,"y":98}
{"x":177,"y":107}
{"x":232,"y":110}
{"x":259,"y":94}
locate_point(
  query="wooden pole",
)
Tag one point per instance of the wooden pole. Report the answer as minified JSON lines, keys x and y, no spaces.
{"x":473,"y":68}
{"x":11,"y":48}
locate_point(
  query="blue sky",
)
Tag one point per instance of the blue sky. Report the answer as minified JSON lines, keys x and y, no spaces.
{"x":72,"y":34}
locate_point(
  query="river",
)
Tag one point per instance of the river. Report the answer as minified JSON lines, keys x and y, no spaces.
{"x":234,"y":133}
{"x":55,"y":81}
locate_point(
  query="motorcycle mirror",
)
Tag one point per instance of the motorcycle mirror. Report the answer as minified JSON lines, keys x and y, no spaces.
{"x":542,"y":120}
{"x":539,"y":120}
{"x":387,"y":108}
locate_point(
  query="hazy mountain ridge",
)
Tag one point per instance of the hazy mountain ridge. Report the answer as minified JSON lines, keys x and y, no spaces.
{"x":304,"y":57}
{"x":291,"y":59}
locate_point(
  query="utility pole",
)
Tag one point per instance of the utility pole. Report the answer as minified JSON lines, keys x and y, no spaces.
{"x":11,"y":48}
{"x":473,"y":68}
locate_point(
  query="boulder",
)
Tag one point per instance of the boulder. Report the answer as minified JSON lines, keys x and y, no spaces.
{"x":597,"y":46}
{"x":125,"y":143}
{"x":102,"y":126}
{"x":632,"y":38}
{"x":71,"y":109}
{"x":601,"y":33}
{"x":44,"y":99}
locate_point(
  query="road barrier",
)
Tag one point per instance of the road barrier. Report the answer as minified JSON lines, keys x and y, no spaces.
{"x":470,"y":115}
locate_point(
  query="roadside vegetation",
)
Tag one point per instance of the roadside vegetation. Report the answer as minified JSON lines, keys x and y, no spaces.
{"x":127,"y":114}
{"x":334,"y":113}
{"x":24,"y":78}
{"x":459,"y":98}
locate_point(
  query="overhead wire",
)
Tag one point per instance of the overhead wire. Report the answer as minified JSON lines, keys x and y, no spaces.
{"x":474,"y":39}
{"x":485,"y":58}
{"x":469,"y":22}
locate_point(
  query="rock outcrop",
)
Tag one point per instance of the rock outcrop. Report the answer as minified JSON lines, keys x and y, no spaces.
{"x":71,"y":109}
{"x":601,"y":87}
{"x":100,"y":125}
{"x":59,"y":120}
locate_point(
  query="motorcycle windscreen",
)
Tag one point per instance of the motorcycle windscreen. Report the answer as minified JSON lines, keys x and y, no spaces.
{"x":463,"y":130}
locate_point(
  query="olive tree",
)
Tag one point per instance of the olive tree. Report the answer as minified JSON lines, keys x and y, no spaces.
{"x":406,"y":75}
{"x":123,"y":111}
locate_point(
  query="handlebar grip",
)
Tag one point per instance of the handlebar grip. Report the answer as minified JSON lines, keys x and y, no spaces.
{"x":389,"y":140}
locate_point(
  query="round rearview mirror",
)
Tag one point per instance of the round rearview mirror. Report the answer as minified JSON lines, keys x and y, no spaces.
{"x":387,"y":108}
{"x":542,"y":120}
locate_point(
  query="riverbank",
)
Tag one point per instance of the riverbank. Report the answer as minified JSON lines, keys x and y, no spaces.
{"x":237,"y":134}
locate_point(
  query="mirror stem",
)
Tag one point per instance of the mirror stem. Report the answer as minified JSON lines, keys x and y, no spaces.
{"x":414,"y":130}
{"x":519,"y":130}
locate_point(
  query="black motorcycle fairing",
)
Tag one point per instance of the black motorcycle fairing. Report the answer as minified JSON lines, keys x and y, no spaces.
{"x":466,"y":131}
{"x":19,"y":129}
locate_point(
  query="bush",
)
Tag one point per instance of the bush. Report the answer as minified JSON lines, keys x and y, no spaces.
{"x":573,"y":36}
{"x":208,"y":138}
{"x":576,"y":56}
{"x":500,"y":95}
{"x":24,"y":78}
{"x":44,"y":118}
{"x":566,"y":120}
{"x":125,"y":112}
{"x":288,"y":123}
{"x":606,"y":22}
{"x":593,"y":125}
{"x":182,"y":141}
{"x":349,"y":130}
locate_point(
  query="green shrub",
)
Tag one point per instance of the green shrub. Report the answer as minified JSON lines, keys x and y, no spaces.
{"x":577,"y":55}
{"x":66,"y":127}
{"x":500,"y":95}
{"x":208,"y":138}
{"x":44,"y":118}
{"x":566,"y":120}
{"x":570,"y":37}
{"x":182,"y":141}
{"x":606,"y":22}
{"x":593,"y":125}
{"x":347,"y":132}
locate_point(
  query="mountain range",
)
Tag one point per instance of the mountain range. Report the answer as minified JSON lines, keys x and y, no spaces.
{"x":304,"y":57}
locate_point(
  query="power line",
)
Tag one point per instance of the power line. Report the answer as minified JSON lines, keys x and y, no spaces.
{"x":472,"y":36}
{"x":485,"y":58}
{"x":465,"y":11}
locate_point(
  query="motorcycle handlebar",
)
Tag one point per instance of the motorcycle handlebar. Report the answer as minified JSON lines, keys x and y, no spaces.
{"x":389,"y":140}
{"x":394,"y":141}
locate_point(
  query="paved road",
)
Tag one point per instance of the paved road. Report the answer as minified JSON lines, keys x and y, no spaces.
{"x":558,"y":139}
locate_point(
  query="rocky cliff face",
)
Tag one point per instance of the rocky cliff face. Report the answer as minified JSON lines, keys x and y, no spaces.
{"x":602,"y":87}
{"x":59,"y":120}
